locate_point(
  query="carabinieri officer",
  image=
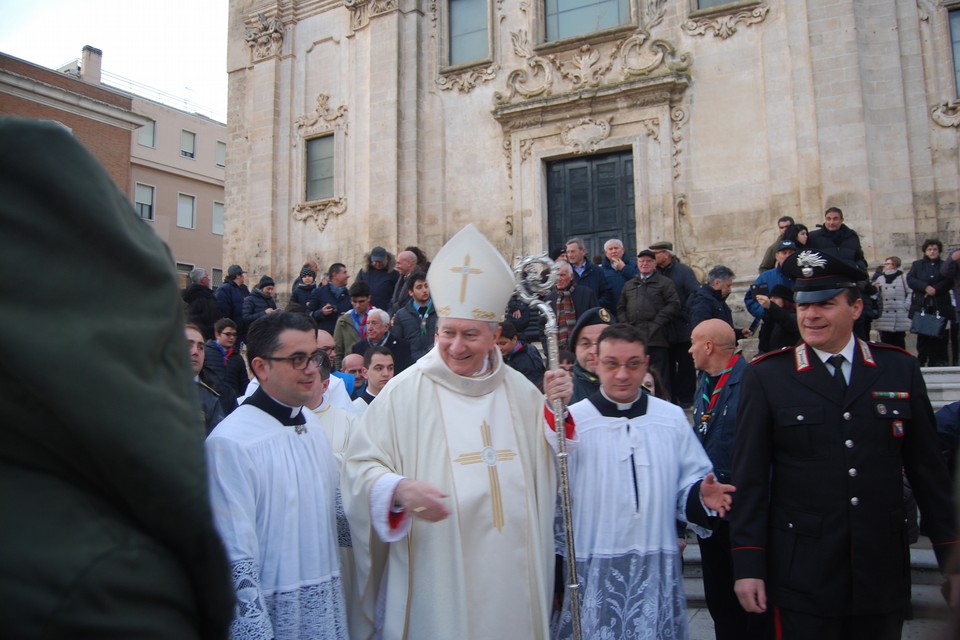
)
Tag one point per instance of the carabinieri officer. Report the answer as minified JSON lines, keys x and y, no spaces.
{"x":824,"y":432}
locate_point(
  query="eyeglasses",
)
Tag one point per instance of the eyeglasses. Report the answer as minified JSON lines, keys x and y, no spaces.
{"x":229,"y":334}
{"x":301,"y":361}
{"x":631,"y":365}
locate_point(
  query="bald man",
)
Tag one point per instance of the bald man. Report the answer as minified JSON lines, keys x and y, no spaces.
{"x":406,"y":267}
{"x":713,"y":346}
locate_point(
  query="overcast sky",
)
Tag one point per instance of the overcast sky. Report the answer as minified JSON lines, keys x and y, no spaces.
{"x":176,"y":46}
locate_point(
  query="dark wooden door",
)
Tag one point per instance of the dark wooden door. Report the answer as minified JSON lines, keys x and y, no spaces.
{"x":592,"y":198}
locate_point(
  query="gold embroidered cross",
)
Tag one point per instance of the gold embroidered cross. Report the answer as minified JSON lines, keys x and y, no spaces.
{"x":490,"y":456}
{"x":466,"y":271}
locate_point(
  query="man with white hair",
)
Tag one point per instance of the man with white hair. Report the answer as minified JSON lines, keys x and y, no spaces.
{"x":450,"y":468}
{"x":406,"y":267}
{"x":202,"y":308}
{"x":616,"y":271}
{"x":379,"y":335}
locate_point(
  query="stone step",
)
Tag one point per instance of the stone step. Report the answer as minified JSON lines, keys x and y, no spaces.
{"x":925,"y":578}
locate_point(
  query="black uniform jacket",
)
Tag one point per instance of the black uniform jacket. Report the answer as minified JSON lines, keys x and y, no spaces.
{"x":818,"y":511}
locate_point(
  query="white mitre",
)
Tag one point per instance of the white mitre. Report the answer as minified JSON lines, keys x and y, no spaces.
{"x":469,"y":279}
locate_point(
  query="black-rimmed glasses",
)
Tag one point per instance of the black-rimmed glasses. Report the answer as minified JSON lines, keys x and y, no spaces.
{"x":301,"y":361}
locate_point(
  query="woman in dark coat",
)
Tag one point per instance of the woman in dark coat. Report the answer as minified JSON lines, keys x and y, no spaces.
{"x":260,"y":302}
{"x":931,"y":291}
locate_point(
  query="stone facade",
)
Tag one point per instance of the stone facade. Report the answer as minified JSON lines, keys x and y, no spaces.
{"x":733,"y":115}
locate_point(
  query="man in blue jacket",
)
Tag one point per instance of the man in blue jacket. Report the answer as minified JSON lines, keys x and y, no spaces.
{"x":716,"y":356}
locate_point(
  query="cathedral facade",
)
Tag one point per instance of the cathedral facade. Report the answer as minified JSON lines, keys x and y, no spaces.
{"x":356,"y":123}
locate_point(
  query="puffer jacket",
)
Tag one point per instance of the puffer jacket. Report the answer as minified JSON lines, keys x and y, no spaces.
{"x":896,"y":301}
{"x":255,"y":306}
{"x":650,"y":305}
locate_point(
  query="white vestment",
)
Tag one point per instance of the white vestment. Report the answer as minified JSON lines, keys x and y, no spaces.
{"x":338,"y":426}
{"x":630,"y":480}
{"x":486,"y":571}
{"x":273,"y":492}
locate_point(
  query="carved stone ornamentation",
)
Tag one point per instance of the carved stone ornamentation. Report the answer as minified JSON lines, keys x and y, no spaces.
{"x":679,"y":117}
{"x":585,"y":135}
{"x":361,"y":11}
{"x":725,"y":25}
{"x":322,"y":119}
{"x":587,"y":67}
{"x":265,"y":37}
{"x":926,"y":8}
{"x":320,"y":211}
{"x":946,"y":114}
{"x":467,"y":81}
{"x":653,"y":128}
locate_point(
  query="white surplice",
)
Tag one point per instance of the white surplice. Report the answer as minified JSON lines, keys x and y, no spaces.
{"x":338,"y":425}
{"x":630,"y":480}
{"x":273,"y":493}
{"x":486,"y":571}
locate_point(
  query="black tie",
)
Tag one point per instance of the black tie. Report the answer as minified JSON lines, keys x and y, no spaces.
{"x":837,"y":362}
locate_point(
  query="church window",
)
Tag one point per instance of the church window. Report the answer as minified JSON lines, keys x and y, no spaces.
{"x":468,"y":31}
{"x":571,"y":18}
{"x":709,"y":4}
{"x":955,"y":45}
{"x":319,"y":168}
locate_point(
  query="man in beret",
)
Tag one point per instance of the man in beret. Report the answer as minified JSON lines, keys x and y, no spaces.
{"x":650,"y":303}
{"x":825,"y":432}
{"x":683,"y":378}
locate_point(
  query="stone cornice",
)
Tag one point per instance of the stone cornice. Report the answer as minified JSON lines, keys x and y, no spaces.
{"x":361,"y":11}
{"x":57,"y":98}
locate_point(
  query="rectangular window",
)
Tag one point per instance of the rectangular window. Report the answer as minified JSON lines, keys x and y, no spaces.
{"x":319,"y":168}
{"x":143,"y":201}
{"x":468,"y":31}
{"x":709,"y":4}
{"x":183,"y":274}
{"x":188,"y":143}
{"x":955,"y":45}
{"x":221,"y":154}
{"x":147,"y":135}
{"x":218,"y":218}
{"x":186,"y":211}
{"x":569,"y":18}
{"x":216,"y":277}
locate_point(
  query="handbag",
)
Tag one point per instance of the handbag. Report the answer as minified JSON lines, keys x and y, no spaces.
{"x":928,"y":324}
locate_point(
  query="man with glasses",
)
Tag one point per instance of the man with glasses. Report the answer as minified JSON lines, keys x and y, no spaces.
{"x":273,"y":482}
{"x":637,"y":467}
{"x":769,"y":260}
{"x":223,"y":362}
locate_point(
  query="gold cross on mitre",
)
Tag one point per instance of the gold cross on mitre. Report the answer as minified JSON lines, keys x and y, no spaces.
{"x":466,"y":271}
{"x":490,"y":456}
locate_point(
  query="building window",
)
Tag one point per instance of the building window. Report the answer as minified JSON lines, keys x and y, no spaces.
{"x":709,"y":4}
{"x":147,"y":135}
{"x":188,"y":143}
{"x":468,"y":31}
{"x":183,"y":274}
{"x":186,"y":211}
{"x":319,"y":168}
{"x":955,"y":45}
{"x":570,"y":18}
{"x":221,"y":154}
{"x":143,"y":201}
{"x":218,"y":218}
{"x":216,"y":277}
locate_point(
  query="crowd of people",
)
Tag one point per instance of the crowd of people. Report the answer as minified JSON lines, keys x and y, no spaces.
{"x":379,"y":454}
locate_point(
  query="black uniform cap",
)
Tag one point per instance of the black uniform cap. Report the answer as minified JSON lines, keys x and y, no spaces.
{"x":596,"y":315}
{"x":820,"y":276}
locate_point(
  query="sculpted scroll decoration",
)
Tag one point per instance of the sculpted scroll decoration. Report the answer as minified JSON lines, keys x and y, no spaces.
{"x":467,"y":81}
{"x":633,"y":57}
{"x":361,"y":11}
{"x":585,"y":135}
{"x":320,"y":211}
{"x":322,"y":119}
{"x":265,"y":37}
{"x":946,"y":114}
{"x":724,"y":26}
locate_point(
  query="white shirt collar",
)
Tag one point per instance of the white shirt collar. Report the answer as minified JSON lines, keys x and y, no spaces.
{"x":846,"y":352}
